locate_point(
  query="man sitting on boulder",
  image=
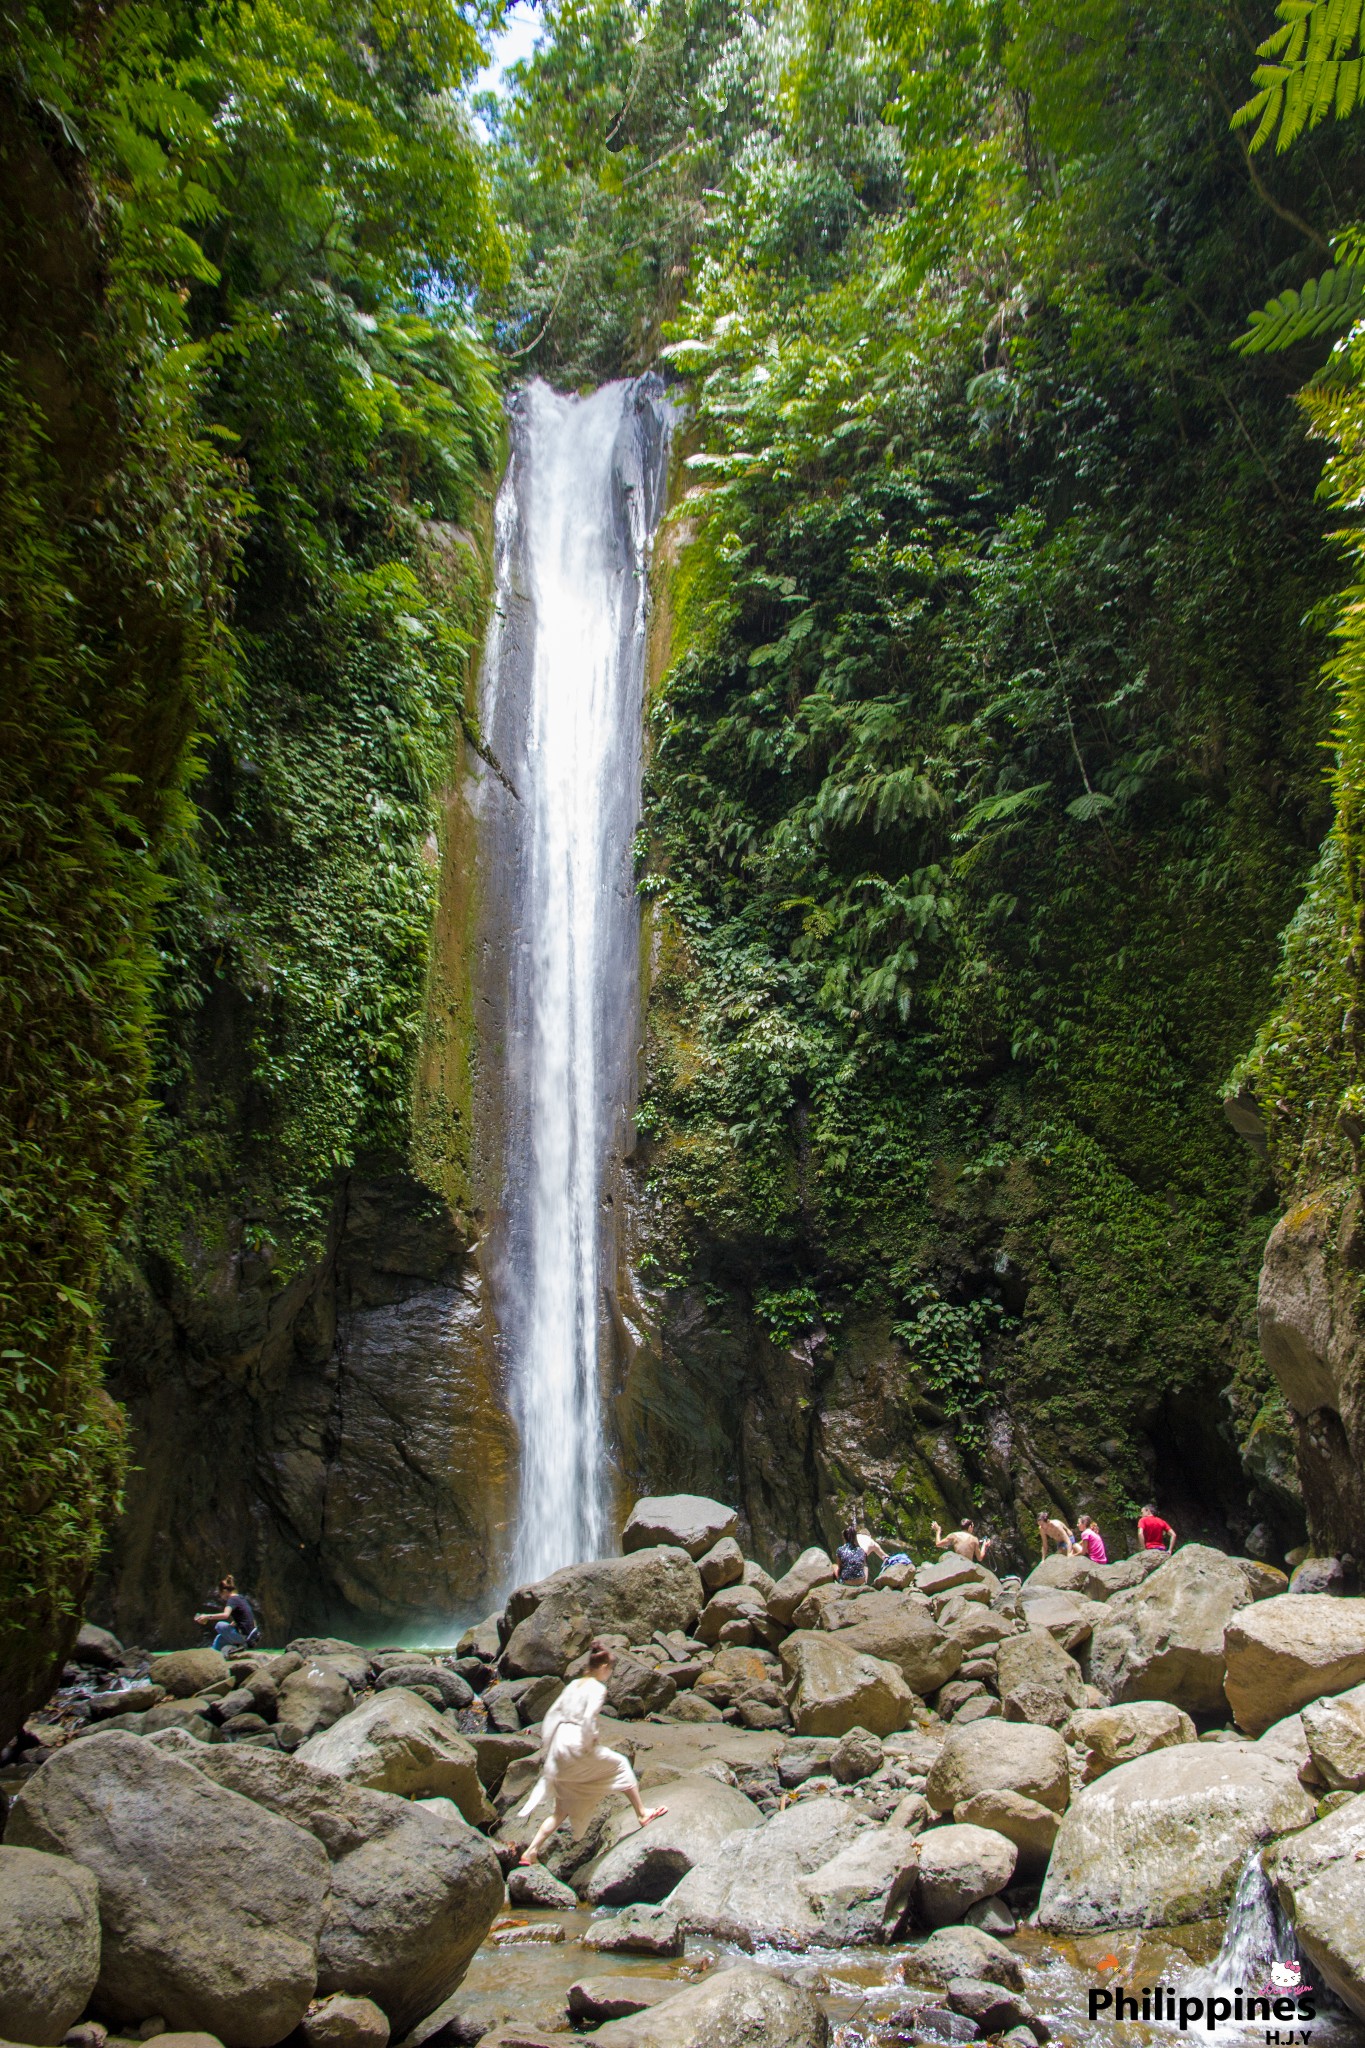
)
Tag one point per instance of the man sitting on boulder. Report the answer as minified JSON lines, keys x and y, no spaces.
{"x":1051,"y":1530}
{"x":1153,"y":1533}
{"x":964,"y":1541}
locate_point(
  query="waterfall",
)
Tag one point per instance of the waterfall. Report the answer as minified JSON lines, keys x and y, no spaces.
{"x":561,"y":705}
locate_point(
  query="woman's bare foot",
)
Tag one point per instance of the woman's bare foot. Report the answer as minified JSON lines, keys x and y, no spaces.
{"x":530,"y":1856}
{"x":652,"y":1813}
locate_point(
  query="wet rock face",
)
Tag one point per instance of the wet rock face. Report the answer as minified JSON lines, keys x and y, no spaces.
{"x":339,"y":1442}
{"x":1312,"y":1331}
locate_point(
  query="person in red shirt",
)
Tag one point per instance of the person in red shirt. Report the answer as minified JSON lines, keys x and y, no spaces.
{"x":1153,"y":1533}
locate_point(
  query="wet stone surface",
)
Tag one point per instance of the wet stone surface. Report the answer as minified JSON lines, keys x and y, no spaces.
{"x":868,"y":1993}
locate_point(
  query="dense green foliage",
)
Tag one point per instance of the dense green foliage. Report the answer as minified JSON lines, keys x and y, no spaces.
{"x":987,"y":771}
{"x":242,"y":410}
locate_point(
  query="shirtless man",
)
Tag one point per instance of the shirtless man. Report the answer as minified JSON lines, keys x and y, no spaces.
{"x":964,"y":1541}
{"x":1053,"y":1531}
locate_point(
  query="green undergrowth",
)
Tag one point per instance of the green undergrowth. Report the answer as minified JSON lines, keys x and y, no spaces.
{"x":250,"y":438}
{"x":987,"y":771}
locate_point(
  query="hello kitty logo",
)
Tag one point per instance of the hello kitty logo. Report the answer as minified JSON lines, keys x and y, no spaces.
{"x":1286,"y":1981}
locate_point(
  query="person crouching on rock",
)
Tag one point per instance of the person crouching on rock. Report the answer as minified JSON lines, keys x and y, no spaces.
{"x":234,"y":1627}
{"x":1051,"y":1531}
{"x":577,"y":1770}
{"x":964,"y":1542}
{"x":850,"y":1559}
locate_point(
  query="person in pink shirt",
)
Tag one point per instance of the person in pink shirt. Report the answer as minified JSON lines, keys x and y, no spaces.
{"x":1089,"y":1539}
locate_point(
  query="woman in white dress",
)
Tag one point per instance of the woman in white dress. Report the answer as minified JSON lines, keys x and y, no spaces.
{"x":577,"y":1770}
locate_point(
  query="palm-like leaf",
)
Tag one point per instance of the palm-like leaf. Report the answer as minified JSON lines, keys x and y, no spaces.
{"x":1322,"y":306}
{"x":1313,"y":65}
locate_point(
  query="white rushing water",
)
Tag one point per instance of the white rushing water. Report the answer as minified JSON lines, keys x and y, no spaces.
{"x":567,"y":666}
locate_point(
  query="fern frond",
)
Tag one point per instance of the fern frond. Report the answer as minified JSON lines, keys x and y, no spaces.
{"x":1311,"y":68}
{"x":1323,"y":306}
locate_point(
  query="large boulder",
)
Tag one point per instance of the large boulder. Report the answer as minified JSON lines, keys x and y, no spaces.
{"x":1334,"y":1730}
{"x":743,"y":2007}
{"x":1037,"y":1680}
{"x":1290,"y":1650}
{"x":1031,"y":1826}
{"x":646,"y":1865}
{"x":1163,"y":1640}
{"x":555,"y":1620}
{"x":721,"y":1565}
{"x":1319,"y":1876}
{"x":750,"y":1889}
{"x":315,"y":1696}
{"x":49,"y":1944}
{"x":863,"y":1892}
{"x":1109,"y":1736}
{"x":958,"y":1867}
{"x":183,"y":1673}
{"x":1161,"y":1841}
{"x":1095,"y":1581}
{"x":211,"y":1909}
{"x":414,"y":1889}
{"x":832,"y":1688}
{"x":899,"y":1628}
{"x":738,"y":1604}
{"x":813,"y":1568}
{"x":687,"y":1521}
{"x":999,"y":1756}
{"x":396,"y":1742}
{"x":1069,"y":1618}
{"x":962,"y":1952}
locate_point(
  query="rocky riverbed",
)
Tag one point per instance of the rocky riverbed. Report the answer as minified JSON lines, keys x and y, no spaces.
{"x":940,"y":1810}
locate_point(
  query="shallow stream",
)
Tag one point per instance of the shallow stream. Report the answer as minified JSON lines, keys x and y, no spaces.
{"x":525,"y":1969}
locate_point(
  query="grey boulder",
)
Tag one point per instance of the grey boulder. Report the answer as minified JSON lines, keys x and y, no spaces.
{"x":958,"y":1866}
{"x":899,"y":1628}
{"x":1320,"y":1881}
{"x":1289,"y":1651}
{"x":1037,"y":1680}
{"x":1334,"y":1730}
{"x":750,"y":1889}
{"x":999,"y":1756}
{"x":721,"y":1565}
{"x":555,"y":1620}
{"x":182,"y":1934}
{"x":49,"y":1944}
{"x":688,"y":1521}
{"x":1160,"y":1841}
{"x":185,"y":1672}
{"x":963,"y":1951}
{"x":341,"y":2022}
{"x":647,"y":1863}
{"x":1108,"y":1736}
{"x":396,"y":1742}
{"x":832,"y":1687}
{"x":813,"y":1568}
{"x":638,"y":1931}
{"x":413,"y":1889}
{"x":743,"y":2007}
{"x":1163,"y":1640}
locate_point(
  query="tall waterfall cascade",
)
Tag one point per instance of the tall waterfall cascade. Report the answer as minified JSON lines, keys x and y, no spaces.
{"x":561,"y":709}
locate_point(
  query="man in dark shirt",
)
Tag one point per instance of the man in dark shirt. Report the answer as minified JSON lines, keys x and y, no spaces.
{"x":234,"y":1625}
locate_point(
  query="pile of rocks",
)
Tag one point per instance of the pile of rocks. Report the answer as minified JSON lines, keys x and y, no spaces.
{"x":1102,"y":1746}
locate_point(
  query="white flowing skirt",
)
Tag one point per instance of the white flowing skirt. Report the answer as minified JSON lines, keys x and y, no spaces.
{"x":578,"y":1778}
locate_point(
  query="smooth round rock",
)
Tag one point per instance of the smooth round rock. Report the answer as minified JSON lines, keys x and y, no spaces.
{"x":49,"y":1944}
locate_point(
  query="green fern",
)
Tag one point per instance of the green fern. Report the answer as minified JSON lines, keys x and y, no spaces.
{"x":1323,"y":306}
{"x":1315,"y":67}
